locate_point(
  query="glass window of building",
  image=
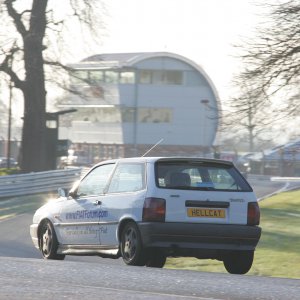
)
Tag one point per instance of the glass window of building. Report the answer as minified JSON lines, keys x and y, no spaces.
{"x":98,"y":115}
{"x":173,"y":77}
{"x":154,"y":115}
{"x":111,"y":77}
{"x":157,"y":77}
{"x":145,"y":76}
{"x":126,"y":77}
{"x":193,"y":78}
{"x":167,"y":77}
{"x":79,"y":77}
{"x":96,"y":76}
{"x":128,"y":114}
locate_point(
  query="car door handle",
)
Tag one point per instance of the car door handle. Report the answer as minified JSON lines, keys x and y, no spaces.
{"x":97,"y":202}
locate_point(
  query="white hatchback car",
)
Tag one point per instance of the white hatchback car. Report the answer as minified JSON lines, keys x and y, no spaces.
{"x":146,"y":209}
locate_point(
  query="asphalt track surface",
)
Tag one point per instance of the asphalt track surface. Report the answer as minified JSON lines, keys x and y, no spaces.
{"x":40,"y":279}
{"x":24,"y":275}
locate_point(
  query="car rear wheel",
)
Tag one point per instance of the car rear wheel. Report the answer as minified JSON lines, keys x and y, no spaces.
{"x":131,"y":246}
{"x":156,"y":259}
{"x":238,"y":262}
{"x":48,"y":242}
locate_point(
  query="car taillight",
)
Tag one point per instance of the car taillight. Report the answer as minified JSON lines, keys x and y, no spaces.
{"x":154,"y":210}
{"x":253,"y":213}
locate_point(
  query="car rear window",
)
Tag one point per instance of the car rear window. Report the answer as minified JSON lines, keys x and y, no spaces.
{"x":197,"y":175}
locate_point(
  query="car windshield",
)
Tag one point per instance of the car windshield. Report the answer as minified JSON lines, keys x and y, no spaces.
{"x":197,"y":175}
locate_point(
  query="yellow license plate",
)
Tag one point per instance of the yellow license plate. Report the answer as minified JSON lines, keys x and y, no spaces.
{"x":206,"y":213}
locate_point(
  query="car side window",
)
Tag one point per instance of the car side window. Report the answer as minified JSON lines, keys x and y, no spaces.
{"x":129,"y":177}
{"x":95,"y":182}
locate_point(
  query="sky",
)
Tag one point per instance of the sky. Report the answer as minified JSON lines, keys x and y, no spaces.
{"x":201,"y":30}
{"x":204,"y":31}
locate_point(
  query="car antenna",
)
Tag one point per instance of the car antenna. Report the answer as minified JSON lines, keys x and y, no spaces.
{"x":152,"y":147}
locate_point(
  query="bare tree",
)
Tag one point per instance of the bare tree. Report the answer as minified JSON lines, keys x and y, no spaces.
{"x":250,"y":113}
{"x":272,"y":60}
{"x":34,"y":38}
{"x":3,"y":110}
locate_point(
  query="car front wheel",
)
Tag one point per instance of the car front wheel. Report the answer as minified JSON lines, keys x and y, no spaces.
{"x":131,"y":246}
{"x":238,"y":262}
{"x":48,"y":242}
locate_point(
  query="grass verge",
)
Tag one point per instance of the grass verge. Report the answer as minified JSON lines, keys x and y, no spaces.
{"x":278,"y":252}
{"x":11,"y":171}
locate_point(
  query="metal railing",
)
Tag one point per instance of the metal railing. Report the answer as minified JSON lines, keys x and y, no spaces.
{"x":50,"y":181}
{"x":285,"y":179}
{"x":39,"y":182}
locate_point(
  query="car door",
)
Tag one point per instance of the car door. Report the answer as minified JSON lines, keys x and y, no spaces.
{"x":82,"y":214}
{"x":123,"y":200}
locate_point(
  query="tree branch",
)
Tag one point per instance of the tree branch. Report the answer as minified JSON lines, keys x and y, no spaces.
{"x":6,"y":67}
{"x":17,"y":18}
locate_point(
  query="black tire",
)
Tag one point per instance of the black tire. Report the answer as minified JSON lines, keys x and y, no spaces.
{"x":131,"y":246}
{"x":238,"y":262}
{"x":48,"y":242}
{"x":156,"y":259}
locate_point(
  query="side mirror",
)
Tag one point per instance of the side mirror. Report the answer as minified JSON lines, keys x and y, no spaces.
{"x":73,"y":194}
{"x":62,"y":192}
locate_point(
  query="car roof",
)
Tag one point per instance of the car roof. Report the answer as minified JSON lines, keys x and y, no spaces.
{"x":173,"y":159}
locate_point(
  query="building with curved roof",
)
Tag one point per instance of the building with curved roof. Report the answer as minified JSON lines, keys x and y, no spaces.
{"x":127,"y":102}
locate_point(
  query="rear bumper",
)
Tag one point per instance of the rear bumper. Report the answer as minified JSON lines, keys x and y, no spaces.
{"x":182,"y":237}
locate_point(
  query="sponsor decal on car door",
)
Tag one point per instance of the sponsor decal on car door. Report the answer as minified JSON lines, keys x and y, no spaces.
{"x":80,"y":220}
{"x":82,"y":215}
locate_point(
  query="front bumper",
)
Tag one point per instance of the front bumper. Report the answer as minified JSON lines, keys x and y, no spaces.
{"x":34,"y":235}
{"x":182,"y":237}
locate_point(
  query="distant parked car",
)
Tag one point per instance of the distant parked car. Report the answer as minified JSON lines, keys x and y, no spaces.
{"x":147,"y":209}
{"x":243,"y":166}
{"x":12,"y":162}
{"x":74,"y":158}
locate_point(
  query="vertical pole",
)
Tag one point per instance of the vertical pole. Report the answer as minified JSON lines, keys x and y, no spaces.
{"x":135,"y":116}
{"x":9,"y":126}
{"x":205,"y":103}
